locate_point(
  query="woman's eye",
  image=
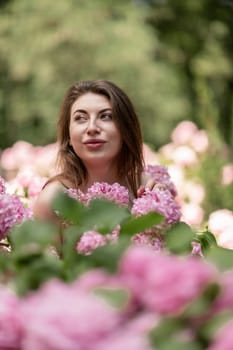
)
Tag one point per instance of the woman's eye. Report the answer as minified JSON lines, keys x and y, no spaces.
{"x":106,"y":116}
{"x":80,"y":117}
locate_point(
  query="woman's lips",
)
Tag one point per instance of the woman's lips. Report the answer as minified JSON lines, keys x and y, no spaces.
{"x":94,"y":143}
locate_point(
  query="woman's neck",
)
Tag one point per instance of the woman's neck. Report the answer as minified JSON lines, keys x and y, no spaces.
{"x":103,"y":174}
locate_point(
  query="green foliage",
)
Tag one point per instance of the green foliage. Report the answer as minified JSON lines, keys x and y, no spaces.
{"x":38,"y":255}
{"x":45,"y":48}
{"x":196,"y":38}
{"x":179,"y":238}
{"x":141,"y":223}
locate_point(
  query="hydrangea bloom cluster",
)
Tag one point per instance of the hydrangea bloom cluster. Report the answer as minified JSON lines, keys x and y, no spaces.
{"x":2,"y":186}
{"x":88,"y":320}
{"x":161,"y":176}
{"x":158,"y":200}
{"x":161,"y":199}
{"x":162,"y":282}
{"x":89,"y":241}
{"x":12,"y":211}
{"x":79,"y":323}
{"x":115,"y":192}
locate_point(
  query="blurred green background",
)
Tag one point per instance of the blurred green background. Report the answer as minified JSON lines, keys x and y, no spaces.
{"x":174,"y":58}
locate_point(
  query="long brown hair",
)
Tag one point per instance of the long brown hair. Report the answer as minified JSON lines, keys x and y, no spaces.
{"x":130,"y":160}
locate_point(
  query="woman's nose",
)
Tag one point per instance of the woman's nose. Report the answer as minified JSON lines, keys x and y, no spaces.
{"x":92,"y":127}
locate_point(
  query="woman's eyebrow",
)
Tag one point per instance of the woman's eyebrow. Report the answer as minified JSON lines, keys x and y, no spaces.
{"x":105,"y":109}
{"x":80,"y":110}
{"x":83,"y":110}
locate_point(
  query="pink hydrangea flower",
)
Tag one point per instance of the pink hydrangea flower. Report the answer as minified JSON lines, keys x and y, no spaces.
{"x":124,"y":340}
{"x":183,"y":132}
{"x":196,"y":249}
{"x":78,"y":195}
{"x":149,"y":238}
{"x":224,"y":300}
{"x":224,"y":338}
{"x":161,"y":176}
{"x":2,"y":186}
{"x":89,"y":241}
{"x":115,"y":192}
{"x":164,"y":283}
{"x":12,"y":212}
{"x":10,"y":325}
{"x":92,"y":279}
{"x":221,"y":225}
{"x":59,"y":317}
{"x":160,"y":201}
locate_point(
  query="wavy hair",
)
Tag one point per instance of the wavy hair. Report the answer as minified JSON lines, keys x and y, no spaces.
{"x":130,"y":160}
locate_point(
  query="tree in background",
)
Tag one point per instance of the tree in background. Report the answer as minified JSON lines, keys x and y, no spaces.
{"x":196,"y":38}
{"x":45,"y":47}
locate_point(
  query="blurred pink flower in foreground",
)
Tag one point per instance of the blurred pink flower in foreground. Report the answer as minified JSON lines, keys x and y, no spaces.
{"x":124,"y":339}
{"x":10,"y":326}
{"x":224,"y":338}
{"x":164,"y":283}
{"x":61,"y":317}
{"x":220,"y":223}
{"x":224,"y":301}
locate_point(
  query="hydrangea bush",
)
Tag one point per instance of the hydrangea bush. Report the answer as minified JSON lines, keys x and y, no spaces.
{"x":12,"y":210}
{"x":129,"y":275}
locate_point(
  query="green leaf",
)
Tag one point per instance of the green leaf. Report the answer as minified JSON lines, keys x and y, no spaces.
{"x":69,"y":208}
{"x":34,"y":234}
{"x":104,"y":215}
{"x":6,"y":262}
{"x":117,"y":297}
{"x":206,"y":239}
{"x":106,"y":257}
{"x":221,"y":257}
{"x":210,"y":328}
{"x":201,"y":304}
{"x":178,"y":238}
{"x":169,"y":335}
{"x":39,"y":271}
{"x":141,"y":223}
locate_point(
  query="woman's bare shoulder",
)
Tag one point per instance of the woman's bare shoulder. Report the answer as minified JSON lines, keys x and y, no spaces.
{"x":42,"y":207}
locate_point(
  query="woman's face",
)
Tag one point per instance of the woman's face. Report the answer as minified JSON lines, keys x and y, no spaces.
{"x":94,"y":135}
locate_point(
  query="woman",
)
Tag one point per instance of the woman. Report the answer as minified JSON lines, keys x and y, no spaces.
{"x":100,"y":140}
